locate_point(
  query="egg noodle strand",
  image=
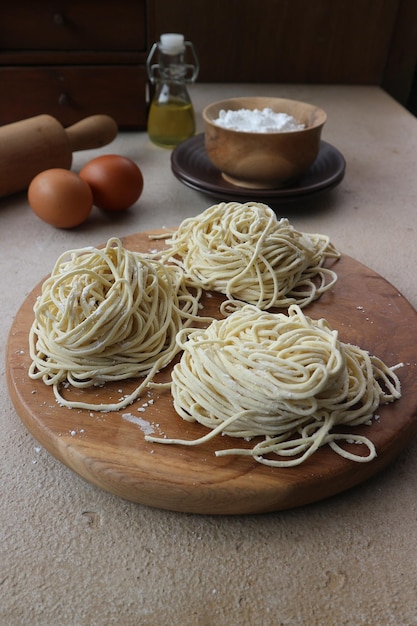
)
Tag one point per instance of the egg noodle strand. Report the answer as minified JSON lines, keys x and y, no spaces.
{"x":108,"y":314}
{"x":286,"y":378}
{"x":246,"y":253}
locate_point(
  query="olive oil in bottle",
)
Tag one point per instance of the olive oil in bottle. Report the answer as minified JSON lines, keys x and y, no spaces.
{"x":169,"y":124}
{"x":171,"y":114}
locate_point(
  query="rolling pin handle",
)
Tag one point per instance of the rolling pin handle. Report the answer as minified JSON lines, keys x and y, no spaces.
{"x":91,"y":132}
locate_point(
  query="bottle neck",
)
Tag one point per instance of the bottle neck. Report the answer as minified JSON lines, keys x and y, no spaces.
{"x":172,"y":68}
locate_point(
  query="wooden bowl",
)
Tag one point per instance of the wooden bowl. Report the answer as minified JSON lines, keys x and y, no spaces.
{"x":260,"y":160}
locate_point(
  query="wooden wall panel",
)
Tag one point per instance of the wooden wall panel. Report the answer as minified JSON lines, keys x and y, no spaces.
{"x":401,"y":63}
{"x":306,"y":41}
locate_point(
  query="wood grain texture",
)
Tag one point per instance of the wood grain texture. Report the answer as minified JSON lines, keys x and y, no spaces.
{"x":298,"y":42}
{"x":294,"y":42}
{"x":110,"y":452}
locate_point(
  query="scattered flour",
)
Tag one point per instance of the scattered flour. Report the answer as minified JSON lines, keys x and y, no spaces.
{"x":145,"y":426}
{"x":257,"y":121}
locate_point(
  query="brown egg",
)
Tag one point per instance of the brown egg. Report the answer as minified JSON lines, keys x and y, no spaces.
{"x":60,"y":198}
{"x":116,"y":181}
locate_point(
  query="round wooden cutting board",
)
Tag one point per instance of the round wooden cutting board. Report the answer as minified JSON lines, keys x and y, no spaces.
{"x":109,"y":449}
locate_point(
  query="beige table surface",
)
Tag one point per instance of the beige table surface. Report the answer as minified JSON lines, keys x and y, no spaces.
{"x":71,"y":554}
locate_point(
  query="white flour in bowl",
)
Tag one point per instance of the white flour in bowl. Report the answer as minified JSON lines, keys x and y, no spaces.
{"x":257,"y":121}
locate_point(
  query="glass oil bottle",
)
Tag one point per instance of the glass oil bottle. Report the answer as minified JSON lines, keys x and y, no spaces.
{"x":171,"y":114}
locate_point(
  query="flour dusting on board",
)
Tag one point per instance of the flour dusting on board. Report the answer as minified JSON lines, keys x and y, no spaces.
{"x":146,"y":427}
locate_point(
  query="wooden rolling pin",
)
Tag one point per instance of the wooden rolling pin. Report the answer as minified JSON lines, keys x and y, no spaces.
{"x":33,"y":145}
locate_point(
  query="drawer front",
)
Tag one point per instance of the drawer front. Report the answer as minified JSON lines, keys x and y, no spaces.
{"x":73,"y":25}
{"x":70,"y":93}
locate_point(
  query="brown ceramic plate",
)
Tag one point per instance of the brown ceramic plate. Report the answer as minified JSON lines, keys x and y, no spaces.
{"x":191,"y":165}
{"x":109,"y":449}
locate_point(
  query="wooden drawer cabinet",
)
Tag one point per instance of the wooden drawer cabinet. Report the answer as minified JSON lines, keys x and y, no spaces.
{"x":74,"y":58}
{"x":70,"y":93}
